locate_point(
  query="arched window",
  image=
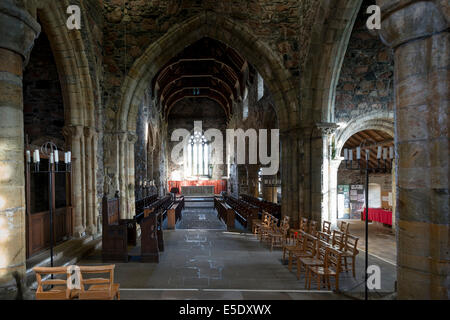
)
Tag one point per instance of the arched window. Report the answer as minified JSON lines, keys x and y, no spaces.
{"x":198,"y":156}
{"x":245,"y":105}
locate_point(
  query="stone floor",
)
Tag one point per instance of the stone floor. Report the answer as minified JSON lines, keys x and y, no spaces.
{"x":213,"y":263}
{"x":382,"y":242}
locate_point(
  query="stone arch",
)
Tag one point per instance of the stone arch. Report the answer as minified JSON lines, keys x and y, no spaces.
{"x":331,"y":33}
{"x":72,"y":64}
{"x":79,"y":111}
{"x":383,"y":121}
{"x":222,"y":29}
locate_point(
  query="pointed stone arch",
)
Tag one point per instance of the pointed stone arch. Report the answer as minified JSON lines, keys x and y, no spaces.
{"x":79,"y":110}
{"x":220,"y":28}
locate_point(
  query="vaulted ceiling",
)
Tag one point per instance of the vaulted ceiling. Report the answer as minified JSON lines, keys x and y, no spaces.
{"x":205,"y":69}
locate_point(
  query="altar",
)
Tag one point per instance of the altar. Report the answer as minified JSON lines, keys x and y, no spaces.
{"x":213,"y":186}
{"x":197,"y":190}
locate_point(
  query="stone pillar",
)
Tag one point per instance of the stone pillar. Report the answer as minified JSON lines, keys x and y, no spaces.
{"x":418,"y":34}
{"x":291,"y":178}
{"x":90,"y":180}
{"x":332,"y":192}
{"x":95,"y":203}
{"x":73,"y":136}
{"x":329,"y":174}
{"x":122,"y":174}
{"x":18,"y":31}
{"x":132,"y":138}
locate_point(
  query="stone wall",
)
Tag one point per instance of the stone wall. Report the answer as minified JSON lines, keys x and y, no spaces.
{"x":143,"y":22}
{"x":348,"y":177}
{"x":42,"y":97}
{"x":366,"y":82}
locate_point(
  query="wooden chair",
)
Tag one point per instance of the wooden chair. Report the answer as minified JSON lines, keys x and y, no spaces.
{"x":313,"y":228}
{"x":339,"y":240}
{"x":266,"y":229}
{"x":278,"y":237}
{"x":326,"y":227}
{"x":296,"y":246}
{"x":331,"y":268}
{"x":323,"y":236}
{"x":98,"y":288}
{"x":59,"y":289}
{"x":350,"y":251}
{"x":257,"y":223}
{"x":318,"y":260}
{"x":344,"y":227}
{"x":308,"y":250}
{"x":294,"y":233}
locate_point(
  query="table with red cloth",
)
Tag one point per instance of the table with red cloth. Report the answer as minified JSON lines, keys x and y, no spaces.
{"x":378,"y":215}
{"x":219,"y":185}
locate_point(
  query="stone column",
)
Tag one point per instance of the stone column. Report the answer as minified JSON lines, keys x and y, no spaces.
{"x":418,"y":34}
{"x":73,"y":136}
{"x":90,"y":180}
{"x":132,"y":138}
{"x":94,"y":168}
{"x":122,"y":174}
{"x":18,"y":31}
{"x":329,"y":174}
{"x":291,"y":178}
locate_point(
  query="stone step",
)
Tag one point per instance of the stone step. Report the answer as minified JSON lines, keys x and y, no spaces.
{"x":66,"y":253}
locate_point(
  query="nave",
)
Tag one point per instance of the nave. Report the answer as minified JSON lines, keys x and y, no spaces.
{"x":202,"y":260}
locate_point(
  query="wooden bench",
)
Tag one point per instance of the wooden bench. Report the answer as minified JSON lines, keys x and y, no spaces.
{"x":115,"y":231}
{"x":224,"y":212}
{"x":263,"y":205}
{"x":245,"y":212}
{"x":174,"y":212}
{"x":59,"y":289}
{"x":98,"y":288}
{"x":152,"y":241}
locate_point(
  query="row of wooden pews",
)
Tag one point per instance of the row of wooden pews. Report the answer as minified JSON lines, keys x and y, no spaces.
{"x":224,"y":212}
{"x":118,"y":233}
{"x":245,"y":212}
{"x":174,"y":212}
{"x":264,"y":206}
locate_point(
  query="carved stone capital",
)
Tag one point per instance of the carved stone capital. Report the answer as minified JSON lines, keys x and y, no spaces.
{"x":132,"y":137}
{"x":18,"y":29}
{"x":72,"y":132}
{"x":89,"y":132}
{"x":327,"y":128}
{"x":407,"y":20}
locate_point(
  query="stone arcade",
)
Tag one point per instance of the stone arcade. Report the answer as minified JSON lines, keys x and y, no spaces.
{"x":113,"y":91}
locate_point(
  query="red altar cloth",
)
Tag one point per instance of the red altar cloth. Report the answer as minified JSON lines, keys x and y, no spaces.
{"x":219,"y":185}
{"x":379,"y":215}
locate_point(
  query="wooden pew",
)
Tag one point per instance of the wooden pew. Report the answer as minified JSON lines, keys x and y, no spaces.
{"x":263,"y":205}
{"x":245,"y":212}
{"x":174,"y":212}
{"x":152,"y":241}
{"x":224,"y":212}
{"x":115,"y":231}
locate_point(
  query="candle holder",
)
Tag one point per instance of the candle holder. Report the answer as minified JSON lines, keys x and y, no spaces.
{"x":49,"y":149}
{"x":383,"y":168}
